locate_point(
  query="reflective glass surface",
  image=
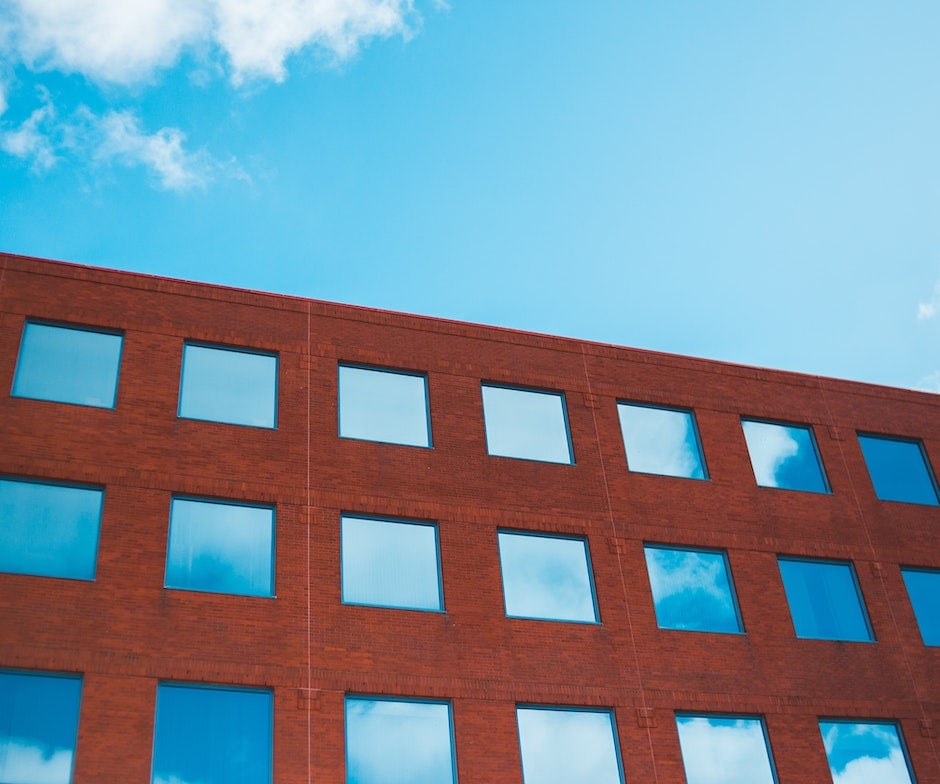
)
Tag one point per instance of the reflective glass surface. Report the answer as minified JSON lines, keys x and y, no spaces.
{"x":205,"y":735}
{"x":398,"y":742}
{"x":38,"y":727}
{"x":49,"y":530}
{"x":565,"y":746}
{"x":692,"y":590}
{"x":923,"y":588}
{"x":899,"y":470}
{"x":546,"y":577}
{"x":661,"y":441}
{"x":219,"y":547}
{"x":865,"y":753}
{"x":724,"y":750}
{"x":824,"y":599}
{"x":784,"y":456}
{"x":68,"y":365}
{"x":527,"y":424}
{"x":390,"y":563}
{"x":227,"y":385}
{"x":383,"y":405}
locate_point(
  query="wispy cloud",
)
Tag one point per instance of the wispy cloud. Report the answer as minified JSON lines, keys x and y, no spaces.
{"x":30,"y":763}
{"x":930,"y":382}
{"x":930,"y":308}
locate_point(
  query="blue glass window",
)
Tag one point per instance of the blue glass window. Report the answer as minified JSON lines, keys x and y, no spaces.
{"x":661,"y":441}
{"x":899,"y":470}
{"x":390,"y":563}
{"x":38,"y":727}
{"x":825,"y":603}
{"x":384,"y":405}
{"x":923,"y":588}
{"x":229,"y":385}
{"x":784,"y":456}
{"x":220,"y":547}
{"x":527,"y":424}
{"x":547,"y":577}
{"x":68,"y":365}
{"x":725,"y":750}
{"x":568,"y":746}
{"x":212,"y":735}
{"x":48,"y":529}
{"x":692,"y":590}
{"x":865,"y":752}
{"x":398,"y":742}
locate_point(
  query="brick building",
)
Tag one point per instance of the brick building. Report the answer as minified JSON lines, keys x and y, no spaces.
{"x":250,"y":537}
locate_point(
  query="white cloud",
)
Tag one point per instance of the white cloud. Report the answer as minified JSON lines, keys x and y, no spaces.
{"x":929,"y":309}
{"x":770,"y":446}
{"x":27,"y":763}
{"x":865,"y":770}
{"x":675,"y":572}
{"x":724,"y":751}
{"x":930,"y":382}
{"x":32,"y":139}
{"x":564,"y":746}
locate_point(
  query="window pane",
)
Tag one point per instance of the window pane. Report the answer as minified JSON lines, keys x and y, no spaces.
{"x":562,"y":746}
{"x":692,"y":590}
{"x":865,"y":752}
{"x":899,"y":470}
{"x":784,"y":456}
{"x":226,"y":385}
{"x":390,"y":564}
{"x":38,"y":727}
{"x":68,"y":365}
{"x":398,"y":742}
{"x":219,"y":547}
{"x":383,"y":405}
{"x":527,"y":424}
{"x":923,"y":588}
{"x":724,"y":750}
{"x":49,"y":530}
{"x":661,"y":441}
{"x":212,"y":736}
{"x":825,"y":603}
{"x":546,"y":577}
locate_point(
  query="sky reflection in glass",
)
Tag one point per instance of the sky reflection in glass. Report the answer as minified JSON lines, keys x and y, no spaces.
{"x":205,"y":735}
{"x":527,"y":424}
{"x":228,"y":385}
{"x":383,"y":405}
{"x":784,"y":456}
{"x":923,"y":588}
{"x":68,"y":365}
{"x":692,"y":590}
{"x":899,"y":470}
{"x":49,"y":530}
{"x":661,"y":441}
{"x":865,"y":753}
{"x":220,"y":547}
{"x":825,"y":603}
{"x":390,"y":563}
{"x":398,"y":742}
{"x":566,"y":746}
{"x":724,"y":750}
{"x":38,"y":727}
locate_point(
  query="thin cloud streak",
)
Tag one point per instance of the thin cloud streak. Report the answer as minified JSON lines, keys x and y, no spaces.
{"x":929,"y":309}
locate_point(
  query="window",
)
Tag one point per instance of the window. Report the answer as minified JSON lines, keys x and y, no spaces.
{"x":49,"y":529}
{"x":568,"y":746}
{"x":923,"y":588}
{"x":384,"y":405}
{"x":68,"y":365}
{"x":401,"y":741}
{"x":725,"y":750}
{"x":784,"y":456}
{"x":391,"y":563}
{"x":228,"y":385}
{"x":899,"y":470}
{"x":825,"y":603}
{"x":547,"y":577}
{"x":212,"y":735}
{"x":661,"y":441}
{"x":220,"y":547}
{"x":865,"y":751}
{"x":692,"y":590}
{"x":38,"y":727}
{"x":527,"y":424}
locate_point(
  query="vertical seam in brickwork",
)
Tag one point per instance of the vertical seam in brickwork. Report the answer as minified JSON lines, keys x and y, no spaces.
{"x":308,"y":359}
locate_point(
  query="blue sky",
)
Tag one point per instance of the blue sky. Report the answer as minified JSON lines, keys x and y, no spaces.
{"x":753,"y":182}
